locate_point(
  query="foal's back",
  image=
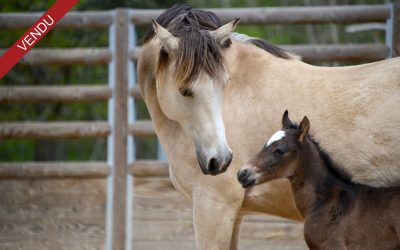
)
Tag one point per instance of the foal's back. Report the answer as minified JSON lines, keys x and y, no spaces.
{"x":359,"y":217}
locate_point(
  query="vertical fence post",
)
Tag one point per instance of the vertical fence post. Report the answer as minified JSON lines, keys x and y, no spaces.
{"x":131,"y":140}
{"x":161,"y":155}
{"x":389,"y":31}
{"x":396,"y":29}
{"x":393,"y":29}
{"x":117,"y":141}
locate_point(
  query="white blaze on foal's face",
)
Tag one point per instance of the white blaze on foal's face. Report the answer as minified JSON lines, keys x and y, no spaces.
{"x":276,"y":137}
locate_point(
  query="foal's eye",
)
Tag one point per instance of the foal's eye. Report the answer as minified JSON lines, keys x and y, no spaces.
{"x":279,"y":152}
{"x":186,"y":92}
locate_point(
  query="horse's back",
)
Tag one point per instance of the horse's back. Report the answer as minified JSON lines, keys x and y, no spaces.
{"x":359,"y":120}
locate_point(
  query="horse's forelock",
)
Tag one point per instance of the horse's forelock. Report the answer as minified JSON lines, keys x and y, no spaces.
{"x":197,"y":51}
{"x":166,"y":17}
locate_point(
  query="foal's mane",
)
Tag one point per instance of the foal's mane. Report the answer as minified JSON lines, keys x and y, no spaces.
{"x":334,"y":169}
{"x":198,"y":50}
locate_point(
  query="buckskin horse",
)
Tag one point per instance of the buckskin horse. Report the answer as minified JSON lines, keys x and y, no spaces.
{"x":338,"y":214}
{"x":211,"y":92}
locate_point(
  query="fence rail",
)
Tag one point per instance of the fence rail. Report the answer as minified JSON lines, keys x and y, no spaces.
{"x":140,"y":168}
{"x":93,"y":19}
{"x":57,"y":94}
{"x":52,"y":94}
{"x":142,"y":129}
{"x":340,"y":53}
{"x":287,"y":15}
{"x":53,"y":130}
{"x":68,"y":130}
{"x":53,"y":169}
{"x":66,"y":56}
{"x":149,"y":168}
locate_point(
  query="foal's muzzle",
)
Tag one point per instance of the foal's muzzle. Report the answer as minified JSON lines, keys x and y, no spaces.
{"x":246,"y":176}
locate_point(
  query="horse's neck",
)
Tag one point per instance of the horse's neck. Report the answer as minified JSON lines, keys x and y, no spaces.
{"x":312,"y":182}
{"x":146,"y":69}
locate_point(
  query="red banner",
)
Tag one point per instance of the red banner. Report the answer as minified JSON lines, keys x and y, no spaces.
{"x":33,"y":35}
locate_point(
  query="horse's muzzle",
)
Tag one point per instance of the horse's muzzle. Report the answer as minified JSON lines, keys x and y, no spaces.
{"x":246,"y":177}
{"x":214,"y":165}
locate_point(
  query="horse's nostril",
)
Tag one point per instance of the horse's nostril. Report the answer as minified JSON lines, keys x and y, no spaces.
{"x":213,"y":166}
{"x":242,"y":174}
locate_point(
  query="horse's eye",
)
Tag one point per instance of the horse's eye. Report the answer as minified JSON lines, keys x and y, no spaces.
{"x":186,"y":92}
{"x":279,"y":152}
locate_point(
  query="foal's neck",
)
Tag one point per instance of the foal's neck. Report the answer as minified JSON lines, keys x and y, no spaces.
{"x":313,"y":184}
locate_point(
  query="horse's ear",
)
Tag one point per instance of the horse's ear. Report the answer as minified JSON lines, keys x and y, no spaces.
{"x":169,"y":42}
{"x":303,"y":130}
{"x":286,"y":122}
{"x":224,"y":32}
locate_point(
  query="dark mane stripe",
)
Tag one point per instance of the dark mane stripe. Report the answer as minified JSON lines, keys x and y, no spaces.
{"x":336,"y":170}
{"x":271,"y":48}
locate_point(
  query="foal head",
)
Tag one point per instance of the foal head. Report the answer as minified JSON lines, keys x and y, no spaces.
{"x":279,"y":157}
{"x":190,"y":78}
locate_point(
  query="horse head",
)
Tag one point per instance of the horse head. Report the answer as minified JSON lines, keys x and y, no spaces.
{"x":190,"y":79}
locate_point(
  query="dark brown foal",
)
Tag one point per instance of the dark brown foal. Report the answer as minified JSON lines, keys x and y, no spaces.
{"x":338,"y":213}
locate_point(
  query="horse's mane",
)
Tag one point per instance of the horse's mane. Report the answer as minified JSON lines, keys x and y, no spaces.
{"x":336,"y":170}
{"x":262,"y":44}
{"x":198,"y":50}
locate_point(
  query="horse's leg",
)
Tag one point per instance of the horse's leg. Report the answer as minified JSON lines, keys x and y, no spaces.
{"x":214,"y":219}
{"x":236,"y":233}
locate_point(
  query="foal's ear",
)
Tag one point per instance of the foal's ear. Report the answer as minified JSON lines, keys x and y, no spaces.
{"x":303,"y":130}
{"x":286,"y":122}
{"x":224,"y":32}
{"x":169,"y":42}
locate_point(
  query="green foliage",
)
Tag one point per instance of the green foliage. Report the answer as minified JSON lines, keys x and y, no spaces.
{"x":16,"y":150}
